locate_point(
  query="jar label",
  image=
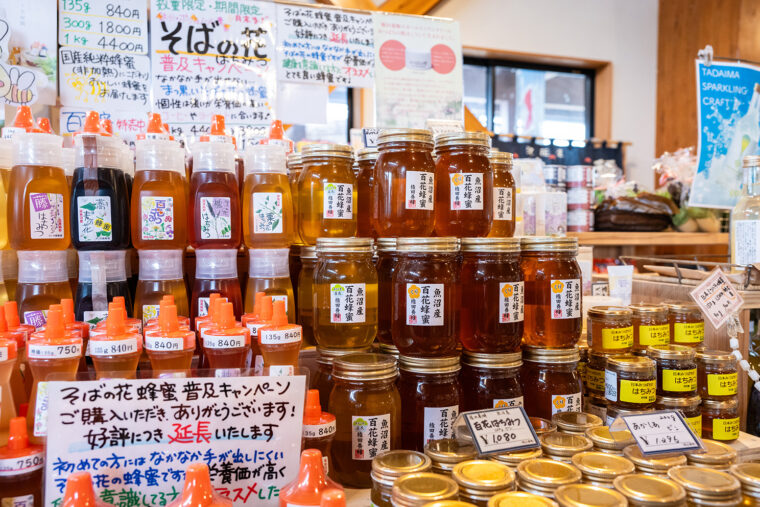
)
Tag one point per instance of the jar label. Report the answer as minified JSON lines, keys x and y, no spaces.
{"x":36,"y":318}
{"x":3,"y":353}
{"x":466,"y":191}
{"x":149,"y":312}
{"x":46,"y":220}
{"x":347,"y":303}
{"x":22,"y":464}
{"x":746,"y":244}
{"x":696,"y":424}
{"x":508,"y":402}
{"x":582,"y":371}
{"x":94,"y":218}
{"x":722,"y":384}
{"x":157,"y":218}
{"x":370,"y":435}
{"x":254,"y":329}
{"x":267,"y":213}
{"x":40,"y":410}
{"x":726,"y":429}
{"x":679,"y":380}
{"x":689,"y":332}
{"x":282,"y":370}
{"x":511,"y":302}
{"x":566,"y":299}
{"x":617,"y":337}
{"x":54,"y":351}
{"x":631,"y":391}
{"x":654,"y":335}
{"x":223,"y":342}
{"x":282,"y":336}
{"x":203,"y":304}
{"x":595,"y":379}
{"x":113,"y":347}
{"x":502,"y":203}
{"x":92,"y":317}
{"x":567,"y":403}
{"x":338,"y":202}
{"x":424,"y":304}
{"x":420,"y":190}
{"x":439,"y":423}
{"x":17,"y":501}
{"x":215,"y":218}
{"x":163,"y":343}
{"x":610,"y":385}
{"x":319,"y":430}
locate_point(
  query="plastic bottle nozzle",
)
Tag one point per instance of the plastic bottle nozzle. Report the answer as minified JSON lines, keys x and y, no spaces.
{"x":3,"y":323}
{"x":43,"y":125}
{"x":54,"y":329}
{"x":276,"y":131}
{"x":167,"y":319}
{"x":197,"y":490}
{"x":333,"y":498}
{"x":11,"y":313}
{"x":313,"y":410}
{"x":266,"y":308}
{"x":107,"y":126}
{"x":67,"y":306}
{"x":216,"y":315}
{"x":155,"y":125}
{"x":227,"y":317}
{"x":18,"y":438}
{"x":92,"y":123}
{"x":211,"y":298}
{"x":79,"y":491}
{"x":279,"y":316}
{"x":119,"y":302}
{"x":168,"y":298}
{"x":257,"y":302}
{"x":217,"y":125}
{"x":166,"y":128}
{"x":24,"y":118}
{"x":115,"y":322}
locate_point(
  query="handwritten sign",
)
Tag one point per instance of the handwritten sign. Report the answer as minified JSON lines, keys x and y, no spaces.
{"x":120,"y":26}
{"x":717,"y":298}
{"x":137,"y":437}
{"x":498,"y":430}
{"x":127,"y":124}
{"x":369,"y":137}
{"x":661,"y":432}
{"x":439,"y":127}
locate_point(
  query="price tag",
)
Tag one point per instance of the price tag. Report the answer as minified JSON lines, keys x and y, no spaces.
{"x":499,"y":430}
{"x":661,"y":432}
{"x":439,"y":127}
{"x":369,"y":137}
{"x":717,"y":298}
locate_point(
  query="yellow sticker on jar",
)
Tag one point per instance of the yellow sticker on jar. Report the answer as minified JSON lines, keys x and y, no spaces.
{"x":617,"y":337}
{"x":680,"y":381}
{"x":654,"y":335}
{"x":595,"y":379}
{"x":689,"y":332}
{"x":695,"y":423}
{"x":726,"y":429}
{"x":582,"y":370}
{"x":722,"y":384}
{"x":638,"y":391}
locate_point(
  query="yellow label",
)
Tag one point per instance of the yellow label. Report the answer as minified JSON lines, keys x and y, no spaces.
{"x":695,"y":423}
{"x":679,"y":380}
{"x":582,"y":370}
{"x":689,"y":332}
{"x":654,"y":335}
{"x":617,"y":338}
{"x":638,"y":391}
{"x":595,"y":379}
{"x":722,"y":384}
{"x":726,"y":429}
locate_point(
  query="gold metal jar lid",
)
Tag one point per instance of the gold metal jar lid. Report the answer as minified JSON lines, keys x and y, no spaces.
{"x":747,"y":473}
{"x":613,"y":412}
{"x":681,"y":307}
{"x":367,"y":366}
{"x":647,"y":490}
{"x":671,"y":352}
{"x":386,"y":467}
{"x":728,"y":404}
{"x":564,"y":444}
{"x":326,"y":150}
{"x":308,"y":252}
{"x":553,"y":356}
{"x":640,"y":309}
{"x":716,"y":357}
{"x":604,"y":439}
{"x":484,"y":360}
{"x":576,"y":422}
{"x":586,"y":495}
{"x":429,"y":364}
{"x":680,"y":403}
{"x":604,"y":312}
{"x":548,"y":244}
{"x":632,"y":364}
{"x":500,"y":157}
{"x":367,"y":154}
{"x":405,"y":135}
{"x":450,"y":503}
{"x":294,"y":161}
{"x":705,"y":481}
{"x":416,"y":245}
{"x":717,"y":453}
{"x":633,"y":453}
{"x":344,"y":245}
{"x":520,"y":499}
{"x":542,"y":426}
{"x":462,"y":138}
{"x":389,"y":349}
{"x":544,"y":472}
{"x":483,"y":475}
{"x":386,"y":244}
{"x":327,"y":356}
{"x":516,"y":457}
{"x":449,"y":450}
{"x":491,"y":245}
{"x":602,"y":466}
{"x":411,"y":490}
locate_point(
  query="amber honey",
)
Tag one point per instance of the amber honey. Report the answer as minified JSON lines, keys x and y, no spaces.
{"x":550,"y":381}
{"x":6,"y":162}
{"x":43,"y":281}
{"x":687,"y":324}
{"x":387,"y":261}
{"x":306,"y":292}
{"x":650,"y":325}
{"x":717,"y":374}
{"x":365,"y":182}
{"x":610,"y":329}
{"x":504,"y":194}
{"x":161,"y":274}
{"x":491,"y":381}
{"x":268,"y":272}
{"x":295,"y":165}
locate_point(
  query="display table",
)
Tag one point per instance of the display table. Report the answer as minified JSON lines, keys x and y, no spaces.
{"x":669,"y":238}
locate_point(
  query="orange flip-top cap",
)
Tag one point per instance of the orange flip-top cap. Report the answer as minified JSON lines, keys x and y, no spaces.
{"x":107,"y":126}
{"x":79,"y":492}
{"x":11,"y":348}
{"x":279,"y":315}
{"x":18,"y":441}
{"x":266,"y":309}
{"x":11,"y":314}
{"x":198,"y":491}
{"x":92,"y":124}
{"x":217,"y":125}
{"x":43,"y":126}
{"x":24,"y":118}
{"x":155,"y":125}
{"x":333,"y":497}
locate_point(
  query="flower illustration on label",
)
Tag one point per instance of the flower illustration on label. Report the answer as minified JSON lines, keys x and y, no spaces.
{"x":559,"y":402}
{"x":508,"y":291}
{"x":557,"y":287}
{"x":414,"y":292}
{"x":457,"y":179}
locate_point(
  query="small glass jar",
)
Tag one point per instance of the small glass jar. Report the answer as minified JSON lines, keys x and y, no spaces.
{"x":648,"y":491}
{"x":705,"y":486}
{"x":426,"y":295}
{"x":749,"y":476}
{"x":650,"y":325}
{"x":387,"y":262}
{"x":607,"y":442}
{"x":720,"y":419}
{"x":404,"y":189}
{"x":504,"y":194}
{"x":479,"y":480}
{"x":388,"y":467}
{"x":676,"y":370}
{"x":491,"y":380}
{"x":513,"y":459}
{"x":597,"y":364}
{"x":614,"y":412}
{"x":631,"y":382}
{"x":563,"y":446}
{"x":610,"y":329}
{"x":367,"y":410}
{"x":652,"y":465}
{"x":365,"y":182}
{"x":419,"y":489}
{"x":493,"y":295}
{"x":543,"y":476}
{"x":429,"y":389}
{"x":576,"y":495}
{"x":550,"y":381}
{"x":553,"y":314}
{"x":322,"y":379}
{"x":687,"y":324}
{"x":584,"y":352}
{"x":305,"y":300}
{"x":690,"y":409}
{"x":576,"y":423}
{"x":719,"y":456}
{"x":464,"y":185}
{"x":717,"y":375}
{"x":600,"y":469}
{"x":447,"y":452}
{"x":520,"y":499}
{"x":542,"y":426}
{"x":596,"y":405}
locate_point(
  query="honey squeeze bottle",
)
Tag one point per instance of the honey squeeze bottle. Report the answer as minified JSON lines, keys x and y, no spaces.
{"x":260,"y":317}
{"x":306,"y":490}
{"x":226,"y":345}
{"x":318,"y":428}
{"x":280,"y":343}
{"x":21,"y":482}
{"x":198,"y":491}
{"x":8,"y":357}
{"x":116,"y":353}
{"x":169,"y":348}
{"x":80,"y":493}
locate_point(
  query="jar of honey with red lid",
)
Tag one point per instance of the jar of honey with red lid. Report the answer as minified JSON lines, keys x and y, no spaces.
{"x":550,"y":381}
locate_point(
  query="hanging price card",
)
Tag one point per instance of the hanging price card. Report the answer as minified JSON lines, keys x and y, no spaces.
{"x":120,"y":26}
{"x":717,"y":298}
{"x":661,"y":432}
{"x":498,"y":430}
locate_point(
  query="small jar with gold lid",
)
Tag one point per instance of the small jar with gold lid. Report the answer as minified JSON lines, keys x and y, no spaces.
{"x":687,"y":324}
{"x":600,"y":469}
{"x":720,"y":419}
{"x":609,"y":443}
{"x":610,"y":329}
{"x":550,"y":381}
{"x":543,"y":476}
{"x":445,"y":453}
{"x":676,"y":370}
{"x":597,"y":405}
{"x":649,"y":491}
{"x":576,"y":423}
{"x":562,"y":446}
{"x":418,"y":489}
{"x":491,"y":380}
{"x":520,"y":499}
{"x":586,"y":495}
{"x":542,"y":426}
{"x":717,"y":375}
{"x":389,"y":466}
{"x":479,"y":480}
{"x":749,"y":477}
{"x":583,"y":351}
{"x":597,"y":364}
{"x":705,"y":486}
{"x":690,"y":409}
{"x":652,"y":465}
{"x":719,"y":456}
{"x":650,"y":325}
{"x":630,"y":382}
{"x":513,"y":459}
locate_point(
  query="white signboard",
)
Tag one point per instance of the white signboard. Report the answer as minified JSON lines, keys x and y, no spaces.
{"x":661,"y":432}
{"x":119,"y":26}
{"x":498,"y":430}
{"x":717,"y":298}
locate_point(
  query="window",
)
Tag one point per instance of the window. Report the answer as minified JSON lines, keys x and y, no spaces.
{"x":338,"y":124}
{"x":530,"y":100}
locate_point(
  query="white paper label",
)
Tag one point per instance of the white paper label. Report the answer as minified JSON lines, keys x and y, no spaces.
{"x":746,"y":242}
{"x":466,"y":191}
{"x":370,"y":436}
{"x":338,"y":201}
{"x":281,"y":370}
{"x":661,"y":431}
{"x":92,"y":317}
{"x":347,"y":303}
{"x":149,"y":312}
{"x":46,"y":219}
{"x":610,"y":385}
{"x":3,"y":353}
{"x":497,"y":430}
{"x":566,"y":299}
{"x":94,"y":218}
{"x":21,"y":465}
{"x":215,"y":218}
{"x":113,"y":347}
{"x":717,"y":297}
{"x":158,"y":218}
{"x":502,"y":203}
{"x":54,"y":351}
{"x":163,"y":343}
{"x":267,"y":213}
{"x":292,"y":335}
{"x":511,"y":302}
{"x":424,"y":304}
{"x":439,"y":423}
{"x":420,"y":190}
{"x":508,"y":402}
{"x":567,"y":403}
{"x":319,"y":430}
{"x":40,"y":410}
{"x":17,"y":501}
{"x":254,"y":329}
{"x":203,"y":306}
{"x":223,"y":342}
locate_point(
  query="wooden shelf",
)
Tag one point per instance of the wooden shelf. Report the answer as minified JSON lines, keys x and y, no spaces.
{"x":650,"y":238}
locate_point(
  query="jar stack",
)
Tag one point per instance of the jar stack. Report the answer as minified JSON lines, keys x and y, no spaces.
{"x":705,"y":486}
{"x":580,"y":198}
{"x":749,"y":476}
{"x":717,"y":384}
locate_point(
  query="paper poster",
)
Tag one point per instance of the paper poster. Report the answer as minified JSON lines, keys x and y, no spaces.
{"x":120,"y":27}
{"x":530,"y":89}
{"x":418,"y":70}
{"x":327,"y":46}
{"x":137,"y":437}
{"x":213,"y":58}
{"x":18,"y":86}
{"x":728,"y":105}
{"x":127,"y":124}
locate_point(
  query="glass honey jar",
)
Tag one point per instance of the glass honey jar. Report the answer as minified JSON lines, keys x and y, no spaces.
{"x":608,"y":442}
{"x":563,"y":446}
{"x":650,"y":325}
{"x":600,"y":469}
{"x":582,"y":495}
{"x":365,"y":182}
{"x":553,"y":316}
{"x":345,"y":293}
{"x":305,"y":293}
{"x":491,"y":380}
{"x":687,"y":324}
{"x":464,"y":185}
{"x":493,"y":295}
{"x":718,"y":456}
{"x":705,"y":486}
{"x":479,"y":480}
{"x":610,"y":329}
{"x":717,"y":375}
{"x":576,"y":423}
{"x":419,"y":489}
{"x":404,"y":189}
{"x":426,"y":295}
{"x":690,"y":408}
{"x":387,"y":262}
{"x":648,"y":491}
{"x":388,"y":467}
{"x":367,"y":409}
{"x":520,"y":499}
{"x":676,"y":370}
{"x":543,"y":476}
{"x":583,"y":351}
{"x":630,"y":382}
{"x":597,"y":364}
{"x":597,"y":405}
{"x":322,"y":379}
{"x":614,"y":412}
{"x":550,"y":381}
{"x":652,"y":465}
{"x":720,"y":419}
{"x":504,"y":194}
{"x":447,"y":452}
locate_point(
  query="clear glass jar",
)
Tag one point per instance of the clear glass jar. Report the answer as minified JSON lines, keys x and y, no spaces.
{"x":426,"y":297}
{"x":447,"y":452}
{"x":717,"y":375}
{"x":630,"y":382}
{"x":491,"y":380}
{"x":720,"y":419}
{"x":422,"y":488}
{"x":690,"y":409}
{"x":646,"y":490}
{"x":305,"y":298}
{"x":464,"y":185}
{"x":650,"y":325}
{"x":550,"y":381}
{"x":553,"y":315}
{"x":676,"y":370}
{"x":687,"y":324}
{"x":387,"y":262}
{"x":479,"y":480}
{"x":388,"y":467}
{"x":322,"y":379}
{"x":610,"y":329}
{"x":404,"y":190}
{"x":493,"y":294}
{"x":365,"y":181}
{"x":503,"y":225}
{"x":429,"y":389}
